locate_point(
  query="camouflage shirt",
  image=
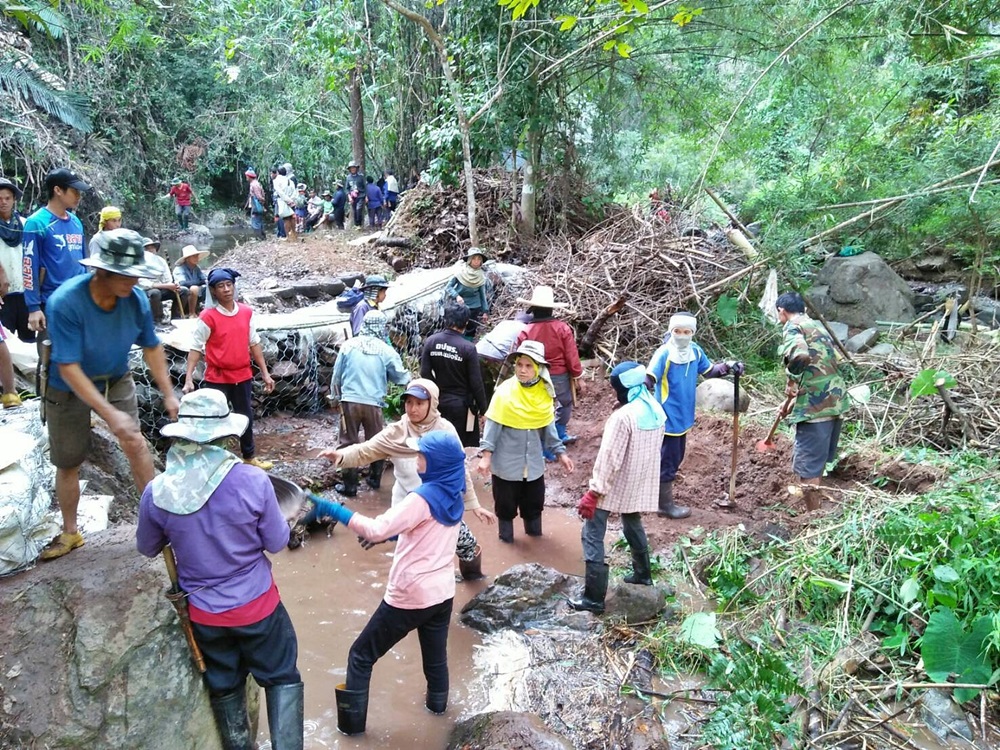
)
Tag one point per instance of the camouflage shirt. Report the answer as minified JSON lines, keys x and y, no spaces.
{"x":811,"y":362}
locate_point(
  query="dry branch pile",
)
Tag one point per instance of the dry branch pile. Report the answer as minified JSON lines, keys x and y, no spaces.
{"x":966,"y":415}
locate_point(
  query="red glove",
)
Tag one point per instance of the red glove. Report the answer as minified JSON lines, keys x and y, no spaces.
{"x":587,"y":505}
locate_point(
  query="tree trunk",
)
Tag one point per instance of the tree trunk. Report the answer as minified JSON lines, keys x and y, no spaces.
{"x":459,"y":105}
{"x":528,"y":188}
{"x":357,"y":118}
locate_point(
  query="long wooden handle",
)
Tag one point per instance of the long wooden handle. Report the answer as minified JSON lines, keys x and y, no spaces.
{"x":179,"y":599}
{"x":736,"y":436}
{"x":777,"y":420}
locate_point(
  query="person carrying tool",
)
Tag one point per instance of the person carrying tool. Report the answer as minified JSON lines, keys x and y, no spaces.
{"x":452,"y":362}
{"x":364,"y":368}
{"x":94,"y":319}
{"x":519,"y":425}
{"x":420,"y":416}
{"x":227,"y":337}
{"x":811,"y":364}
{"x":675,"y":368}
{"x":624,"y":481}
{"x":561,"y":352}
{"x":220,"y":516}
{"x":420,"y":591}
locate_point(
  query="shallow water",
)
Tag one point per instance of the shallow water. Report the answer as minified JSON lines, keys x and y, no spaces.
{"x":331,"y":586}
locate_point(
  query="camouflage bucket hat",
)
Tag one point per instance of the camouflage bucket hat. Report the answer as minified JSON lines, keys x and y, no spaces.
{"x":121,"y":251}
{"x":204,"y":417}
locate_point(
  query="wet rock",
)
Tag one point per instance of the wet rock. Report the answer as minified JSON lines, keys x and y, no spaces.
{"x":284,"y":292}
{"x":861,"y":290}
{"x":307,"y":289}
{"x":521,"y":597}
{"x":332,"y":288}
{"x":94,"y":657}
{"x":634,"y":603}
{"x":863,"y":341}
{"x":716,"y":394}
{"x":943,"y":716}
{"x":646,"y":731}
{"x":505,"y":730}
{"x":882,"y":350}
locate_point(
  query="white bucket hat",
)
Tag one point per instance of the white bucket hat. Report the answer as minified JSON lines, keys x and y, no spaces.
{"x":533,"y":349}
{"x":542,"y":296}
{"x":190,"y":250}
{"x":205,"y":416}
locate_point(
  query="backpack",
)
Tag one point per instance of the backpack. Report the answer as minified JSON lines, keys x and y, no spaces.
{"x":349,"y":299}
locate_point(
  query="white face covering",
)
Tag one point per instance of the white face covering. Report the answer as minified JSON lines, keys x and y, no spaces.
{"x":681,"y":342}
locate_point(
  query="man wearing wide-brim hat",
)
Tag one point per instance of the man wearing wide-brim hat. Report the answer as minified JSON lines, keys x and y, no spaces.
{"x":220,"y":516}
{"x":94,"y":320}
{"x":191,"y":280}
{"x":560,"y":350}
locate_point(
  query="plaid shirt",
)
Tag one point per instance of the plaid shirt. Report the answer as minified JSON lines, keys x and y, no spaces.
{"x":627,"y":469}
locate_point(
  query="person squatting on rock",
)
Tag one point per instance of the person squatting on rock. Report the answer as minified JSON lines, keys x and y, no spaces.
{"x":192,"y":282}
{"x":675,"y":368}
{"x":560,"y":349}
{"x":53,"y":244}
{"x":624,"y":481}
{"x":162,"y":284}
{"x":452,"y":362}
{"x":220,"y":516}
{"x":365,"y":365}
{"x":470,"y":286}
{"x":374,"y":291}
{"x":421,"y":588}
{"x":420,"y":416}
{"x":811,"y":364}
{"x":94,"y":319}
{"x":519,"y":424}
{"x":13,"y":313}
{"x":227,"y":338}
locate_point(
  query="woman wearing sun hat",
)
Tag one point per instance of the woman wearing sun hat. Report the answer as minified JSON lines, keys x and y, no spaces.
{"x":220,"y":516}
{"x":191,"y":280}
{"x":520,"y":422}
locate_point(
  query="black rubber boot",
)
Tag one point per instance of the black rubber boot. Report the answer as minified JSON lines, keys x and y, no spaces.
{"x":472,"y":570}
{"x":348,"y":487}
{"x":352,"y":710}
{"x":437,"y":703}
{"x":285,"y":715}
{"x":667,"y":507}
{"x":505,"y":529}
{"x":230,"y":711}
{"x":533,"y":526}
{"x":595,"y":589}
{"x":642,"y":573}
{"x":375,"y":474}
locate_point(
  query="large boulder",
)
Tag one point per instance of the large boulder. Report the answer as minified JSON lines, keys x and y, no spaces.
{"x":861,"y":290}
{"x":505,"y":730}
{"x":716,"y":394}
{"x":93,"y":656}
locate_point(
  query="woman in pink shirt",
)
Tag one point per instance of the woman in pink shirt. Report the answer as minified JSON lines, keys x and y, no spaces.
{"x":421,"y":587}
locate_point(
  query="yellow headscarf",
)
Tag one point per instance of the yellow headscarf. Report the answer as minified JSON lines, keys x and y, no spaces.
{"x":108,"y":212}
{"x":523,"y":407}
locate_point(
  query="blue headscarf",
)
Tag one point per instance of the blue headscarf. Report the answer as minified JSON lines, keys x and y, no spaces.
{"x":444,"y":480}
{"x":217,"y":275}
{"x":629,"y":381}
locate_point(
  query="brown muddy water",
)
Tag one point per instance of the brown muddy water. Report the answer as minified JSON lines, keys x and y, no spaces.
{"x":331,"y":586}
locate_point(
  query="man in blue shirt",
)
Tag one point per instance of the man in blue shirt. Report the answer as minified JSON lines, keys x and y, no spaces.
{"x":94,"y":319}
{"x":361,"y":375}
{"x":53,"y":243}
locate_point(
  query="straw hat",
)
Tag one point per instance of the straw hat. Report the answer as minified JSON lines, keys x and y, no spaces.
{"x":542,"y":296}
{"x":190,"y":250}
{"x":205,"y":416}
{"x":529,"y":348}
{"x":121,"y":251}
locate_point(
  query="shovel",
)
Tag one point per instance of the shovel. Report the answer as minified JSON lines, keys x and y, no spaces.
{"x":763,"y":446}
{"x":727,"y":501}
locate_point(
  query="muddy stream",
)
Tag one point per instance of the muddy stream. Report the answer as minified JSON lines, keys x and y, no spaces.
{"x":331,"y":586}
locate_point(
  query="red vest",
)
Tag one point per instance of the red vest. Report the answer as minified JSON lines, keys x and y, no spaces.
{"x":227,"y":351}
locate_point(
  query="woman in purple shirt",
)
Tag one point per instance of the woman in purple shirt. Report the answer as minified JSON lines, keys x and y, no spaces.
{"x":220,"y":515}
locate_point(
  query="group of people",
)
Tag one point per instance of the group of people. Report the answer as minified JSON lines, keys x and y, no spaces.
{"x":220,"y":514}
{"x":298,"y":209}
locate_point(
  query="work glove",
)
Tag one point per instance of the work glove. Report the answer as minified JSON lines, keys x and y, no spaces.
{"x":718,"y":370}
{"x":587,"y":505}
{"x":736,"y":367}
{"x":338,"y":512}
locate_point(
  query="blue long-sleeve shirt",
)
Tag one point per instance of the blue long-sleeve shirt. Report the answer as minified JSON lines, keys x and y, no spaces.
{"x":52,"y":244}
{"x":676,"y":386}
{"x":364,"y":368}
{"x":474,"y":297}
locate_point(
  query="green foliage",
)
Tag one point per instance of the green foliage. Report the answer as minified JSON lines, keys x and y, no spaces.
{"x":698,"y":629}
{"x":726,"y":308}
{"x":24,"y":80}
{"x":925,"y":382}
{"x":948,"y":649}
